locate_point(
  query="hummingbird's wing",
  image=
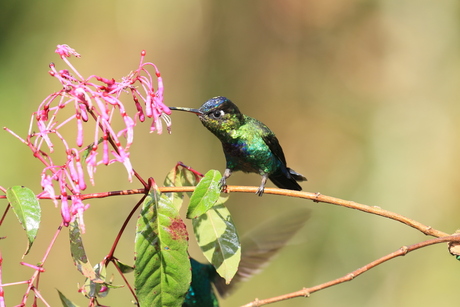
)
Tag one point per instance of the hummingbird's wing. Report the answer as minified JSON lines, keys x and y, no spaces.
{"x":284,"y":177}
{"x":272,"y":142}
{"x":262,"y":244}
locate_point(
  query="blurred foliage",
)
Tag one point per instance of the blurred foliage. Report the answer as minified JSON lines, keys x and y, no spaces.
{"x":362,"y":95}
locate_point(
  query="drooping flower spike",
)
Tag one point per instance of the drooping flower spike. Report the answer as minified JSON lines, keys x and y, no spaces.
{"x":99,"y":99}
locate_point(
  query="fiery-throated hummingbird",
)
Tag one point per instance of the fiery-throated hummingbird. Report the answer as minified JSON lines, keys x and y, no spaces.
{"x":248,"y":144}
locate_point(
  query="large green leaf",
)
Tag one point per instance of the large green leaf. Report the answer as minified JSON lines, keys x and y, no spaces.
{"x":27,"y":209}
{"x":217,"y":237}
{"x":206,"y":194}
{"x":162,"y":266}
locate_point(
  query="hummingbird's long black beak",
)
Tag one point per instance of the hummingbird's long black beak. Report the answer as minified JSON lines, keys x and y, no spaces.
{"x":196,"y":111}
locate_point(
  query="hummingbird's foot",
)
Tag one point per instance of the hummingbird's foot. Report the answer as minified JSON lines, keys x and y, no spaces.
{"x":223,"y":180}
{"x":260,"y":190}
{"x":223,"y":185}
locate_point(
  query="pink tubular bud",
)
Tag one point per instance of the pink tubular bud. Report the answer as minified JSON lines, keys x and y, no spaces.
{"x":105,"y":150}
{"x":140,"y":111}
{"x":129,"y":122}
{"x":81,"y":176}
{"x":148,"y":106}
{"x":84,"y":113}
{"x":166,"y":109}
{"x":65,"y":212}
{"x":79,"y":132}
{"x":71,"y":168}
{"x":91,"y":164}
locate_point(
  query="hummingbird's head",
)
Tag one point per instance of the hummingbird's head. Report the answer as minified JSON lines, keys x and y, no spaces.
{"x":220,"y":115}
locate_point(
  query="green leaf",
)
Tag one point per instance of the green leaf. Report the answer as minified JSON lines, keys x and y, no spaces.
{"x":95,"y":284}
{"x":188,"y":178}
{"x":206,"y":194}
{"x":89,"y":148}
{"x":162,"y":266}
{"x":78,"y":252}
{"x":65,"y":301}
{"x":27,"y":209}
{"x":217,"y":237}
{"x":174,"y":179}
{"x":179,"y":177}
{"x":124,"y":268}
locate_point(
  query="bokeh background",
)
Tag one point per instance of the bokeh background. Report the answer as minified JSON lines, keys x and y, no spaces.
{"x":362,"y":94}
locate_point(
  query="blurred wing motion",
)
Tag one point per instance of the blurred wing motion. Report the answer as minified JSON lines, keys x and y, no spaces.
{"x":258,"y":247}
{"x":261,"y":244}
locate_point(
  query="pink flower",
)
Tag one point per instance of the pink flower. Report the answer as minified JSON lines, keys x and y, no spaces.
{"x":77,"y":209}
{"x":84,"y":99}
{"x":66,"y":51}
{"x":47,"y":184}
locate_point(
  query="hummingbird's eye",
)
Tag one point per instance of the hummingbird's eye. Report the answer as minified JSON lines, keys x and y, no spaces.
{"x":218,"y":114}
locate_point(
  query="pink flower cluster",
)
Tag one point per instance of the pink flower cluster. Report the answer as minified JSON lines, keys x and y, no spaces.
{"x":94,"y":99}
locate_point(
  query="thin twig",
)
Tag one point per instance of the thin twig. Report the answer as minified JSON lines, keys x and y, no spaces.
{"x":37,"y":273}
{"x":306,"y":292}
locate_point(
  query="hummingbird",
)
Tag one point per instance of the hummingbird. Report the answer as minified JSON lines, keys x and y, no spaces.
{"x":258,"y":247}
{"x":248,"y":144}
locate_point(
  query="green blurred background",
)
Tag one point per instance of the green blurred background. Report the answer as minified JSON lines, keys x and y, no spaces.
{"x":363,"y":96}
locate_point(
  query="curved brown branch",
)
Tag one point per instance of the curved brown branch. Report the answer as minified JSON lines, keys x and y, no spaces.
{"x":306,"y":292}
{"x":316,"y":197}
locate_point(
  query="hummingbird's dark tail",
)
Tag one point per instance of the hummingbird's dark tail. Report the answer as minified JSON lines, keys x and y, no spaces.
{"x":287,"y":180}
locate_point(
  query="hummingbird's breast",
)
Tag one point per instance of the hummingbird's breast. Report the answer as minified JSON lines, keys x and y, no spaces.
{"x":250,"y":154}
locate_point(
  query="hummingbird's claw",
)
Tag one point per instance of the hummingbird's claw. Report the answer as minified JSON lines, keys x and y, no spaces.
{"x":224,"y":189}
{"x":223,"y":180}
{"x":260,"y":190}
{"x":223,"y":185}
